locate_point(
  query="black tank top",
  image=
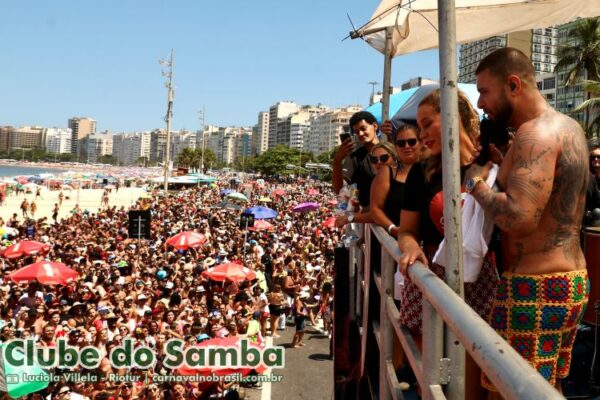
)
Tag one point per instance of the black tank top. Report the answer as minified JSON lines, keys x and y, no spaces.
{"x":393,"y":201}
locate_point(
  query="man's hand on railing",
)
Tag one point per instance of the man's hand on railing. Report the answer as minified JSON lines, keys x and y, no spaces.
{"x":411,"y":252}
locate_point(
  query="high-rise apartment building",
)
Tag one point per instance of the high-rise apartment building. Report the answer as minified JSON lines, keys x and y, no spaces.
{"x":277,"y":112}
{"x":80,"y":128}
{"x":182,"y":140}
{"x":96,"y":145}
{"x":130,"y":149}
{"x":568,"y":97}
{"x":26,"y":137}
{"x":5,"y":137}
{"x":260,"y":134}
{"x":546,"y":84}
{"x":325,"y":129}
{"x":158,"y":145}
{"x":538,"y":44}
{"x":58,"y":140}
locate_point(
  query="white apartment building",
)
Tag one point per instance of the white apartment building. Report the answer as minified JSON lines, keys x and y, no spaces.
{"x":182,"y":140}
{"x":97,"y":145}
{"x":546,"y":84}
{"x":277,"y":112}
{"x":58,"y":140}
{"x":325,"y":129}
{"x":260,"y":134}
{"x":129,"y":148}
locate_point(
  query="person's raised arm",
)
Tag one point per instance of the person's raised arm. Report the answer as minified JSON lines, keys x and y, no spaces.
{"x":337,"y":178}
{"x":518,"y":209}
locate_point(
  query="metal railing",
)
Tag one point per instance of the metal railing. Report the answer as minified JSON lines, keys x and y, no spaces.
{"x":443,"y":312}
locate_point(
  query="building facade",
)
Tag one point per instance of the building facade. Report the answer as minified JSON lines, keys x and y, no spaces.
{"x":132,"y":149}
{"x":325,"y":129}
{"x":538,"y":44}
{"x":260,"y":134}
{"x":96,"y":145}
{"x":26,"y":137}
{"x":568,"y":97}
{"x":278,"y":112}
{"x":58,"y":140}
{"x":80,"y":128}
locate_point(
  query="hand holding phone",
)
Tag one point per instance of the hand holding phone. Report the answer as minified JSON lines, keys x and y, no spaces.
{"x":344,"y":136}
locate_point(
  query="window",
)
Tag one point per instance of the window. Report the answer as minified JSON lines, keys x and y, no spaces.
{"x":549,"y":83}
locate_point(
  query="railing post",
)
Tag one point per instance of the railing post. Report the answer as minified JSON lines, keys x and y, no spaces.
{"x":365,"y":305}
{"x":432,"y":348}
{"x":352,"y":281}
{"x":385,"y":325}
{"x":455,"y":389}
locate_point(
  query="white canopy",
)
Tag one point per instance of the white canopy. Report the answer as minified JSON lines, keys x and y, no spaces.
{"x":416,"y":21}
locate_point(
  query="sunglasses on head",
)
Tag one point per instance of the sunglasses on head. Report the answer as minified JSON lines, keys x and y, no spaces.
{"x":402,"y":142}
{"x":381,"y":159}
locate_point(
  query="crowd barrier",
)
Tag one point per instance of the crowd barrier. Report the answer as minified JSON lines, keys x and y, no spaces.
{"x":438,"y":375}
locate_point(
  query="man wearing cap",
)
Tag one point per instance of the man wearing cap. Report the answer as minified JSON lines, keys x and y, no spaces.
{"x":142,"y":305}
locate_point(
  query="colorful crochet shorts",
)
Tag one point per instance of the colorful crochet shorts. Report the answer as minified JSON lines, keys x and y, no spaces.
{"x":538,"y":316}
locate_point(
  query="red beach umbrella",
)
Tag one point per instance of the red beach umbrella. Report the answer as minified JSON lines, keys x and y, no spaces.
{"x":278,"y":192}
{"x":261,"y":225}
{"x":229,"y":271}
{"x":26,"y":247}
{"x":45,"y":272}
{"x":329,"y":223}
{"x":187,"y":239}
{"x":230,"y":341}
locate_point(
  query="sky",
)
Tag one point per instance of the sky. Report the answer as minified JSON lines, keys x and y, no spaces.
{"x":100,"y":59}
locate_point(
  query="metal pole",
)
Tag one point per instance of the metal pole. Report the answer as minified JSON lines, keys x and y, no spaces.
{"x":452,"y":183}
{"x":169,"y":115}
{"x":387,"y":77}
{"x":202,"y":114}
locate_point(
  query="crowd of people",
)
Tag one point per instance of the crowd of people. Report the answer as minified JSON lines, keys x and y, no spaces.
{"x":148,"y":291}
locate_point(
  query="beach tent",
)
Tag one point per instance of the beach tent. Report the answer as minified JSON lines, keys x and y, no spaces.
{"x":397,"y":100}
{"x":407,"y":113}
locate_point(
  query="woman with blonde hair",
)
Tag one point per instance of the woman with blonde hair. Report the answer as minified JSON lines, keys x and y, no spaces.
{"x":387,"y":190}
{"x":421,"y":221}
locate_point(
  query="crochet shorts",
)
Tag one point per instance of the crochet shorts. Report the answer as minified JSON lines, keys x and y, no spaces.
{"x":538,"y":316}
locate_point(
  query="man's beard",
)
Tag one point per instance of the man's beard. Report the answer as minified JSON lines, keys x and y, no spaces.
{"x":504,"y":114}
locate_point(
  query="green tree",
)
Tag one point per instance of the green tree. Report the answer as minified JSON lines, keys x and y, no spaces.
{"x":192,"y":158}
{"x":581,"y":56}
{"x":276,"y":160}
{"x":591,"y":106}
{"x":108,"y":159}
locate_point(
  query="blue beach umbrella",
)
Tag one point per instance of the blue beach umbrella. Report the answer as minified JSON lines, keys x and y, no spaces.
{"x":396,"y":102}
{"x":261,"y":212}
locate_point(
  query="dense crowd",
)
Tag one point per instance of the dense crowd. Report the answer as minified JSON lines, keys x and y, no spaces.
{"x":151,"y":292}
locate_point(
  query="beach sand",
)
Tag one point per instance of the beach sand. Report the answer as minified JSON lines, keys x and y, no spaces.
{"x":87,"y":198}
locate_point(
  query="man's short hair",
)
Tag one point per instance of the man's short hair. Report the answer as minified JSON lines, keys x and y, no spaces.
{"x":508,"y":61}
{"x":362,"y":115}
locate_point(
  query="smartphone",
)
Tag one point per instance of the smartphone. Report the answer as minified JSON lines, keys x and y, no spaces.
{"x":344,"y":136}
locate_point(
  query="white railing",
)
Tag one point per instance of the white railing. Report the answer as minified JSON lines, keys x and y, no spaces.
{"x":443,"y":312}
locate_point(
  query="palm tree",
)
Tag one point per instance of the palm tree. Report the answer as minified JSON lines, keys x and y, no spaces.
{"x":581,"y":56}
{"x":591,"y":104}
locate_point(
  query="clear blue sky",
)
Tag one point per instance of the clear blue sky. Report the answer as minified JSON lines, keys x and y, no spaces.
{"x":99,"y":59}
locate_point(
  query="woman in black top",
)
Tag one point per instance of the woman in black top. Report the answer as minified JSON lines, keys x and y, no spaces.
{"x":387,"y":190}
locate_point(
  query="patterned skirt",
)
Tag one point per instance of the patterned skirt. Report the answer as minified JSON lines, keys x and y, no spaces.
{"x":479,"y":294}
{"x":538,"y":315}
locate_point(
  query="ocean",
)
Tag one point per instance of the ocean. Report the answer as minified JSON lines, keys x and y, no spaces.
{"x":9,"y":171}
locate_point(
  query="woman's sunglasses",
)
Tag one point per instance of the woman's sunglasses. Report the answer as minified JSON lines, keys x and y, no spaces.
{"x":381,"y":159}
{"x":594,"y":158}
{"x":402,"y":142}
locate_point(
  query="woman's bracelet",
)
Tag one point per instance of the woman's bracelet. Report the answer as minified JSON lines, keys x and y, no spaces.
{"x":389,"y":229}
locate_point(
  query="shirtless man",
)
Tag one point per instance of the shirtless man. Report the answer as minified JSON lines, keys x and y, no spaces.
{"x":543,"y":180}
